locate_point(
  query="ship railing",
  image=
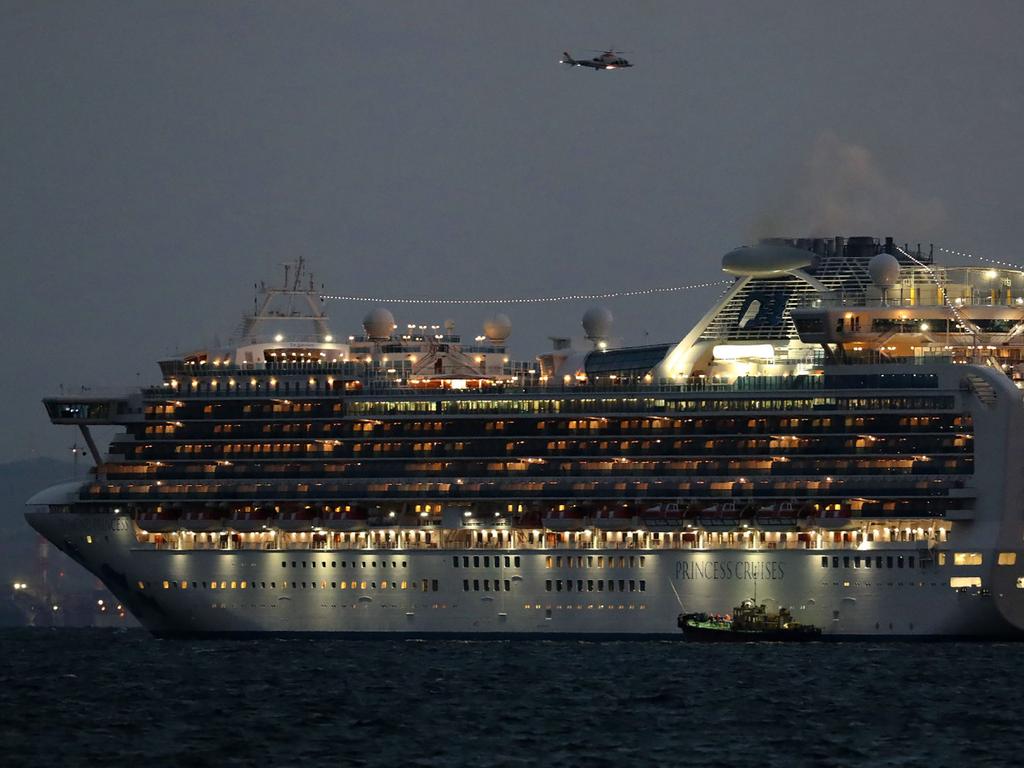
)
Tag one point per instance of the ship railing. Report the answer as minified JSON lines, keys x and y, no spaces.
{"x":752,"y":540}
{"x":595,"y":386}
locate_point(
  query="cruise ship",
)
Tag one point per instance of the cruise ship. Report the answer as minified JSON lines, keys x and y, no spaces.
{"x":839,"y":435}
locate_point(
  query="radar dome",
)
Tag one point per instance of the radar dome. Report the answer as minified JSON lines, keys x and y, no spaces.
{"x":884,"y":270}
{"x":497,"y":328}
{"x":379,"y":323}
{"x":597,"y":323}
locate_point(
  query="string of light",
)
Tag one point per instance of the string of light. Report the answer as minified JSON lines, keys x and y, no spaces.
{"x":531,"y":299}
{"x":938,"y":284}
{"x":980,"y":258}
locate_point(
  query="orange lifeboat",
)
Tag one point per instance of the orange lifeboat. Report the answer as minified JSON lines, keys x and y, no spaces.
{"x":834,"y":517}
{"x":296,"y":520}
{"x":777,"y":516}
{"x":664,"y":517}
{"x":202,"y":520}
{"x":724,"y":516}
{"x":620,"y":519}
{"x":571,"y":519}
{"x":352,"y":519}
{"x":162,"y":521}
{"x":251,"y":521}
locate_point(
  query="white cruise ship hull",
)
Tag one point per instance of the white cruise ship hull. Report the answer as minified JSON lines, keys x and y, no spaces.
{"x":423,"y":593}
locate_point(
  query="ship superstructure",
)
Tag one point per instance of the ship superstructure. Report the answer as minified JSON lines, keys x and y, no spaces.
{"x":840,"y":430}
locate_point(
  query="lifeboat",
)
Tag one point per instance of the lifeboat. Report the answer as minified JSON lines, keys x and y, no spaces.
{"x":529,"y":519}
{"x":202,"y":520}
{"x":834,"y":517}
{"x":164,"y":521}
{"x":621,"y":519}
{"x":782,"y":515}
{"x":352,"y":519}
{"x":664,"y":517}
{"x":296,"y":520}
{"x":253,"y":521}
{"x":572,"y":519}
{"x":724,"y":516}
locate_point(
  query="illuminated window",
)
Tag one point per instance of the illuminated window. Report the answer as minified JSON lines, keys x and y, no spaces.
{"x":167,"y":585}
{"x":967,"y":558}
{"x":958,"y":582}
{"x":1020,"y":583}
{"x":1007,"y":558}
{"x":184,"y":585}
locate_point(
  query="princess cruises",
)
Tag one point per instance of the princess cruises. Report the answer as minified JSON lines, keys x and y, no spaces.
{"x":841,"y":434}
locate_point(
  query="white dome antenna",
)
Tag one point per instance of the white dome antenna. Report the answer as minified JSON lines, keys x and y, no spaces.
{"x":597,"y":324}
{"x":884,"y":270}
{"x":498,"y":328}
{"x":379,"y":323}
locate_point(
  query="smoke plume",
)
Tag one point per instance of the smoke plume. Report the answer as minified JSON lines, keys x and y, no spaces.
{"x":843,"y":190}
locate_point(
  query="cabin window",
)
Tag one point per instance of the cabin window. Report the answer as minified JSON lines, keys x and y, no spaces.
{"x":967,"y":558}
{"x":959,"y":582}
